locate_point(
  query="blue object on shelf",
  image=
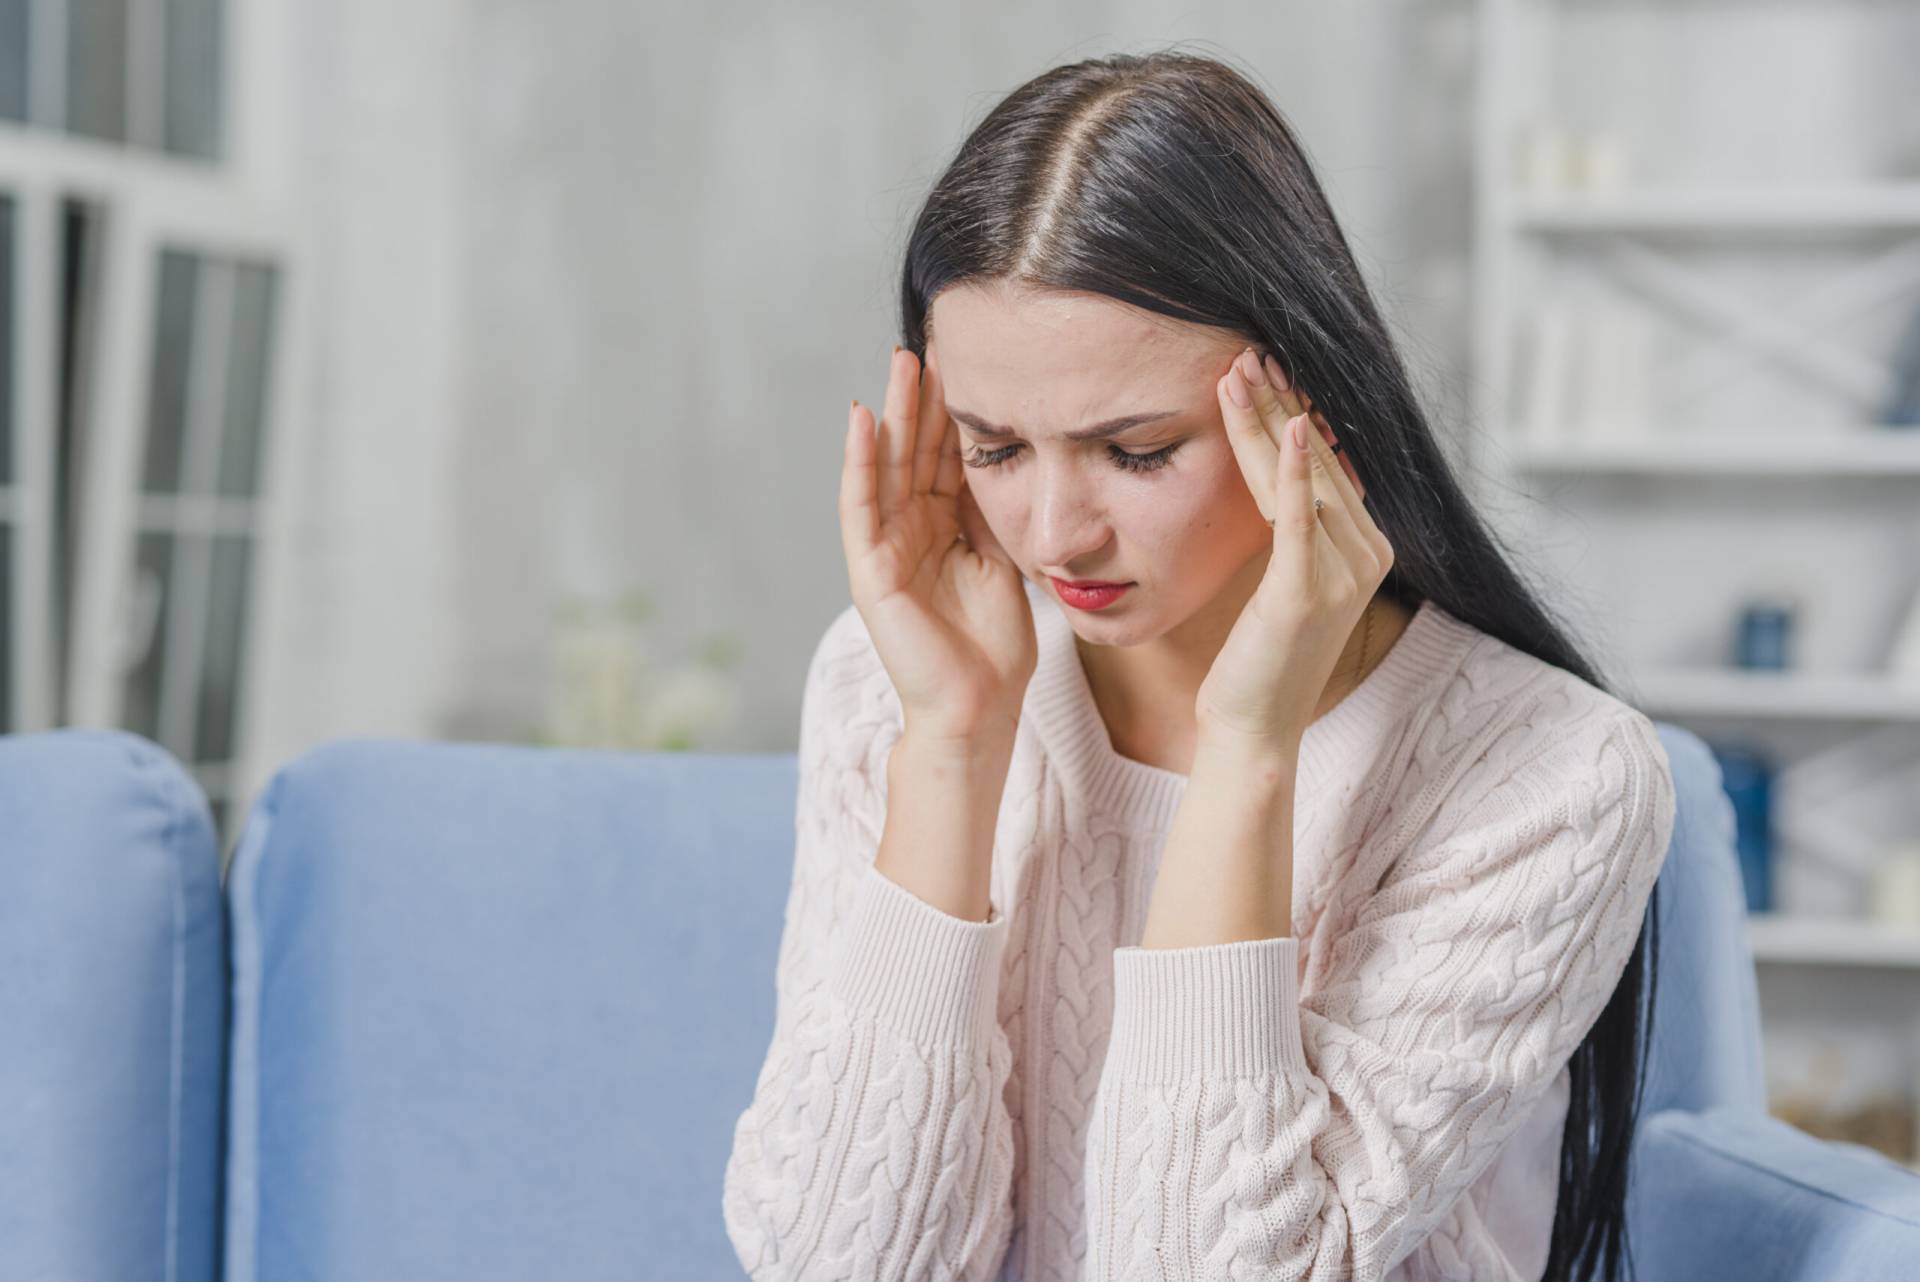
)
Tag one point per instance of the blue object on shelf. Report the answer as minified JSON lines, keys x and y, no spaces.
{"x":1766,"y":636}
{"x":1903,"y":407}
{"x":1748,"y":779}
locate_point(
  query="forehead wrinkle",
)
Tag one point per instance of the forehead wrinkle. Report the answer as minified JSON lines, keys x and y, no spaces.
{"x":1098,"y":431}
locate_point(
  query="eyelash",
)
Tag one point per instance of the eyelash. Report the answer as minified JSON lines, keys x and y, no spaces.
{"x":1126,"y":462}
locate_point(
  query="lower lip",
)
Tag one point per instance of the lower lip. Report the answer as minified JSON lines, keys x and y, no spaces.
{"x":1088,"y":598}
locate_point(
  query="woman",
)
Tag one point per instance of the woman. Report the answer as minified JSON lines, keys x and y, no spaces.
{"x":1273,"y":912}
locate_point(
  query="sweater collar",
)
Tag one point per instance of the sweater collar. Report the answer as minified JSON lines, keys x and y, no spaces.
{"x":1340,"y":742}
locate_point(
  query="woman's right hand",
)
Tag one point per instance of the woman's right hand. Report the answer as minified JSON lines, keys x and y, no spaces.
{"x":946,"y":607}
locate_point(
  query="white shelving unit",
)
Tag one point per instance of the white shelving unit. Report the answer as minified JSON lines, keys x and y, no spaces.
{"x":1815,"y":941}
{"x":1663,"y":230}
{"x":1814,"y":210}
{"x":1848,"y":451}
{"x":1778,"y":696}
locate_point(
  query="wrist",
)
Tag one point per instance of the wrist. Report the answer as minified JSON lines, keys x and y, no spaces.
{"x":1256,"y":757}
{"x":943,"y":805}
{"x":976,"y":752}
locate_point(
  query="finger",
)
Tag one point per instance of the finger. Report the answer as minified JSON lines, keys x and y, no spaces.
{"x":947,"y":482}
{"x":1339,"y":469}
{"x":1271,"y":394}
{"x":973,"y":525}
{"x":859,"y":507}
{"x":1324,"y":480}
{"x":1297,"y":528}
{"x":1277,"y":403}
{"x":1349,"y":525}
{"x":1348,"y":470}
{"x":930,"y":429}
{"x":1255,"y":446}
{"x":1354,"y":513}
{"x":1297,"y":401}
{"x":1336,"y":517}
{"x":897,"y":433}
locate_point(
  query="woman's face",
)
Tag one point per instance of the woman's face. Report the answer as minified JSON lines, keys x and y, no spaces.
{"x":1182,"y":528}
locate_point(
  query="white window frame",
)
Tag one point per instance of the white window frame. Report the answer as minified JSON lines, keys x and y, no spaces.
{"x":148,"y":201}
{"x":26,"y":504}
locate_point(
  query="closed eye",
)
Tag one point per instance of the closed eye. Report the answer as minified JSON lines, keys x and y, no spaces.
{"x":1126,"y":462}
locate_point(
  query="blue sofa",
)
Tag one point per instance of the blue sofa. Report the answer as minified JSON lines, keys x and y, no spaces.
{"x":485,"y":1012}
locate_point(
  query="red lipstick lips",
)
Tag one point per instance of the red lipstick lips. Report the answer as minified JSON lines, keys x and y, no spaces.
{"x":1088,"y":594}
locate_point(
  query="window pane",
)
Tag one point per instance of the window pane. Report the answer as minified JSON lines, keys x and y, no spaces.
{"x":80,"y":242}
{"x":6,"y":341}
{"x":152,"y":602}
{"x":195,"y":34}
{"x":97,"y":67}
{"x":6,"y":628}
{"x":13,"y":59}
{"x":248,"y":367}
{"x":225,"y":648}
{"x":219,"y":806}
{"x":172,"y":361}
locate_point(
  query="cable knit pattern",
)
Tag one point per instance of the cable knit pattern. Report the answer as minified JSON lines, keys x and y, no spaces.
{"x":1379,"y":1094}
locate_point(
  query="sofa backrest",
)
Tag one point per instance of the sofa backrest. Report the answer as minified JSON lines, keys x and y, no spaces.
{"x":113,"y":1002}
{"x":496,"y":1009}
{"x":1705,"y":1047}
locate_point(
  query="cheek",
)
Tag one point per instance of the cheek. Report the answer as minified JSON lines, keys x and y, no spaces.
{"x":1214,"y":493}
{"x":1178,"y":519}
{"x":1004,"y":509}
{"x":1000,"y":504}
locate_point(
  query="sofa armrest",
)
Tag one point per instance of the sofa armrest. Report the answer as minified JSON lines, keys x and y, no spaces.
{"x":113,"y":1008}
{"x":1728,"y":1193}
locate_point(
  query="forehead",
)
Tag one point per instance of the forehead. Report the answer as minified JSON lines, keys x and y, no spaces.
{"x":1058,"y":359}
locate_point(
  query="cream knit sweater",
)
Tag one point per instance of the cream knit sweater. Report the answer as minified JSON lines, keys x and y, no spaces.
{"x":1380,"y":1094}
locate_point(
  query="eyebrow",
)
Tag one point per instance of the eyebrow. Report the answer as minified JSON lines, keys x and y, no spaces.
{"x":1099,"y":431}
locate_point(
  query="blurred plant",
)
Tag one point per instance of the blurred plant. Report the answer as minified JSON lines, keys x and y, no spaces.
{"x":606,"y":693}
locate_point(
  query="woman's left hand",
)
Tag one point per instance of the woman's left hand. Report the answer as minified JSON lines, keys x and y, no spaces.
{"x":1267,"y":680}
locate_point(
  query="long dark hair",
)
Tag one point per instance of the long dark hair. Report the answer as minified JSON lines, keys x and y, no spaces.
{"x":1170,"y":182}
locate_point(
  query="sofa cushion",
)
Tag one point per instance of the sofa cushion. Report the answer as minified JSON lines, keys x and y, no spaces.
{"x":497,"y":1008}
{"x":1730,"y":1193}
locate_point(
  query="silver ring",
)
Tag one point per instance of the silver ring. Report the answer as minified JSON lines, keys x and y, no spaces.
{"x":1318,"y":503}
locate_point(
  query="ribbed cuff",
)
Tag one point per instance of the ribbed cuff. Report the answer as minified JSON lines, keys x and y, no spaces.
{"x":1210,"y":1010}
{"x":929,"y":975}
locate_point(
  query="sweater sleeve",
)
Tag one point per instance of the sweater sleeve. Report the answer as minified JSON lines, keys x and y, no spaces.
{"x":1242,"y":1131}
{"x":877,"y":1143}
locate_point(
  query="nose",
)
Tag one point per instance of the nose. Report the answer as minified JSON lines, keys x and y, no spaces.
{"x":1068,"y":523}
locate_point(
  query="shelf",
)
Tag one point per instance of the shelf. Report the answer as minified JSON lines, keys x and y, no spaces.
{"x":1841,"y":207}
{"x":1878,"y":451}
{"x":1721,"y":691}
{"x":1831,"y":941}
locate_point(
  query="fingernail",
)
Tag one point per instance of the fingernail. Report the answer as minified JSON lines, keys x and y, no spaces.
{"x":1237,"y":389}
{"x":1251,"y":365}
{"x":1278,"y":375}
{"x":1299,"y":425}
